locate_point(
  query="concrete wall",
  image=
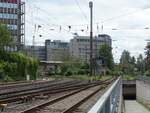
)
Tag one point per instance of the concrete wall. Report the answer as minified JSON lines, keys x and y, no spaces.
{"x":143,"y":92}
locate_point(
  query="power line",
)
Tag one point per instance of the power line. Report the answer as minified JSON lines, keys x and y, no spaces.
{"x":42,"y":10}
{"x":82,"y":29}
{"x":62,"y":26}
{"x":56,"y":25}
{"x":82,"y":12}
{"x":120,"y":16}
{"x":54,"y":18}
{"x":86,"y":18}
{"x":45,"y":21}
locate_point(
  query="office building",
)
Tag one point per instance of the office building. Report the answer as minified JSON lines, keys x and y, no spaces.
{"x":37,"y":52}
{"x":56,"y":50}
{"x":80,"y":46}
{"x":12,"y":14}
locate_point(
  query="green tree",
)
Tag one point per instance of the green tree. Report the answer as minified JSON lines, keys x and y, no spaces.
{"x":140,"y":65}
{"x":14,"y":65}
{"x":127,"y":62}
{"x":5,"y":37}
{"x":125,"y":58}
{"x":147,"y":61}
{"x":105,"y":53}
{"x":17,"y":65}
{"x":133,"y":61}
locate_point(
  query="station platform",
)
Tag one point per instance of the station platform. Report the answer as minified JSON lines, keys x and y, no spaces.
{"x":134,"y":107}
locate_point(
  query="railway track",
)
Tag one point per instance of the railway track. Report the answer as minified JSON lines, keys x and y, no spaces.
{"x":22,"y":86}
{"x":17,"y":93}
{"x":13,"y":94}
{"x":58,"y":105}
{"x":23,"y":83}
{"x":62,"y":91}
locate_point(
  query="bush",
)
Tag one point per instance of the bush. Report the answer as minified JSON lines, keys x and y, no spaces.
{"x":85,"y":66}
{"x":81,"y":72}
{"x":147,"y":73}
{"x":17,"y":66}
{"x":51,"y":72}
{"x":2,"y":74}
{"x":8,"y":79}
{"x":68,"y":73}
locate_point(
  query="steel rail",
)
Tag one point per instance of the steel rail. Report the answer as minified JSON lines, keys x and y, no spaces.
{"x":14,"y":85}
{"x":33,"y":92}
{"x":30,"y":86}
{"x":14,"y":96}
{"x":39,"y":92}
{"x":34,"y":108}
{"x":75,"y":106}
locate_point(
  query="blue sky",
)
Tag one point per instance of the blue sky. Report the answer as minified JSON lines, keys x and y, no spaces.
{"x":129,"y":17}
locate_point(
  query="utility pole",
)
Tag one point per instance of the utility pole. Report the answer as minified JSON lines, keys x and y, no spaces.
{"x":91,"y":37}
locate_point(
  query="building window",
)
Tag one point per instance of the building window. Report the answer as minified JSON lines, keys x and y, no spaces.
{"x":12,"y":27}
{"x":8,"y":5}
{"x":8,"y":16}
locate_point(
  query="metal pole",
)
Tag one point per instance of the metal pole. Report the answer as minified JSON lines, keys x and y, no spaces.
{"x":33,"y":49}
{"x":91,"y":37}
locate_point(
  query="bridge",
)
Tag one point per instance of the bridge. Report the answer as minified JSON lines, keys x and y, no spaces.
{"x":125,"y":97}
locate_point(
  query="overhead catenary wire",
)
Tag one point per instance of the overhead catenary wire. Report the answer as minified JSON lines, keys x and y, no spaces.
{"x":110,"y":19}
{"x":82,"y":12}
{"x":45,"y":29}
{"x":77,"y":2}
{"x":64,"y":27}
{"x":122,"y":15}
{"x":54,"y":18}
{"x":46,"y":23}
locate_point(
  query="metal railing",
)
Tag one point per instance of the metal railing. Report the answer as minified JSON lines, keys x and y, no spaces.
{"x":109,"y":102}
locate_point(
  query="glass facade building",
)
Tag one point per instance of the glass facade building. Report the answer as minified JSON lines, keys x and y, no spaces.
{"x":12,"y":14}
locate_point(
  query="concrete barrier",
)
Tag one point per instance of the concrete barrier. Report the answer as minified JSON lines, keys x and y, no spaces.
{"x":143,"y":91}
{"x":109,"y":102}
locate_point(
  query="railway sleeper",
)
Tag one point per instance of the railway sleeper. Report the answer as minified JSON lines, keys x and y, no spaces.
{"x":42,"y":96}
{"x":26,"y":99}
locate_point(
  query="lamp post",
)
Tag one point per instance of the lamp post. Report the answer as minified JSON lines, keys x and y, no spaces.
{"x":91,"y":37}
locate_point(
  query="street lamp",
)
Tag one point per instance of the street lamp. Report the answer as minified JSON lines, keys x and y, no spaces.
{"x":91,"y":37}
